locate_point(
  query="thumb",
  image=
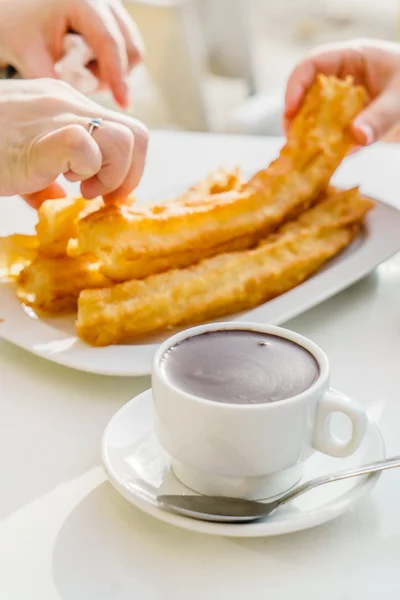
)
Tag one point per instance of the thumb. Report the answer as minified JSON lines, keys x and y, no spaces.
{"x":52,"y":192}
{"x":378,"y":118}
{"x":70,"y":150}
{"x":35,"y":60}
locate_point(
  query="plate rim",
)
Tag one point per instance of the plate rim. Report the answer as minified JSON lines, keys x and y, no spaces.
{"x":318,"y":288}
{"x":251,"y":530}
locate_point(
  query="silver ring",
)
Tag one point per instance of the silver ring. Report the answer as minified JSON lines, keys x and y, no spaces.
{"x":94,"y":124}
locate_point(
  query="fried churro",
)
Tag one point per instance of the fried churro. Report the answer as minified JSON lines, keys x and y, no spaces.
{"x":57,"y":222}
{"x":53,"y":284}
{"x":136,"y":242}
{"x":51,"y":281}
{"x":16,"y":252}
{"x":226,"y":283}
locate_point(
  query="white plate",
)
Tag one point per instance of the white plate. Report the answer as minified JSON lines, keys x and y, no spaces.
{"x":55,"y":338}
{"x":139,"y":470}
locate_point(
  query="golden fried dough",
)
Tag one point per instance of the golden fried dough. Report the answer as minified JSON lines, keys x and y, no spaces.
{"x":16,"y":252}
{"x":224,"y":284}
{"x":220,"y":181}
{"x":136,"y":242}
{"x":53,"y":281}
{"x":56,"y":224}
{"x":57,"y":221}
{"x":53,"y":284}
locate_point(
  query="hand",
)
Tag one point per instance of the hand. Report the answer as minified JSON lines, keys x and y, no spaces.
{"x":32,"y":32}
{"x":44,"y":125}
{"x":374,"y":64}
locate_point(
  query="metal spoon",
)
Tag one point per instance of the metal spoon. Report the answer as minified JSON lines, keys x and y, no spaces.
{"x":238,"y":510}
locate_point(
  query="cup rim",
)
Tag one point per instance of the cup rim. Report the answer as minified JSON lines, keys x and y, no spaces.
{"x":293,"y":336}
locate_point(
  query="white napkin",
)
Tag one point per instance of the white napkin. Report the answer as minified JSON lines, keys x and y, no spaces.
{"x":72,"y":67}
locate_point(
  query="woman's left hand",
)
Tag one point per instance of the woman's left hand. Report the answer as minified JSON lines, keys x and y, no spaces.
{"x":49,"y":129}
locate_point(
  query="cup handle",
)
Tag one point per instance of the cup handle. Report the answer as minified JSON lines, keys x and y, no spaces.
{"x":324,"y":439}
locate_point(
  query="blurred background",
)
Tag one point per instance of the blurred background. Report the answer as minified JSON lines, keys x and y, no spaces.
{"x":221,"y":65}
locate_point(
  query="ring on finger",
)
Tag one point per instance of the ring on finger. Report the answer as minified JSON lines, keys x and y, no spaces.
{"x":94,"y":124}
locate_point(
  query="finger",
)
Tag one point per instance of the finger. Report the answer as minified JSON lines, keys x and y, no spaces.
{"x":97,"y":25}
{"x":333,"y":59}
{"x":299,"y":82}
{"x":136,"y":168}
{"x":380,"y":116}
{"x":52,"y":192}
{"x":286,"y":125}
{"x":34,"y":60}
{"x":69,"y":150}
{"x":139,"y":131}
{"x":132,"y":36}
{"x":116,"y":145}
{"x":353,"y":150}
{"x":141,"y":137}
{"x":393,"y":136}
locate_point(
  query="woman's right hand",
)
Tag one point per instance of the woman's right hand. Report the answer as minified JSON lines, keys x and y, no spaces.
{"x":374,"y":64}
{"x":32,"y":34}
{"x":44,"y":126}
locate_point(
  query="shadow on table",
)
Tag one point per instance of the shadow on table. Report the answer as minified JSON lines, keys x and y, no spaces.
{"x":52,"y":426}
{"x":109,"y":549}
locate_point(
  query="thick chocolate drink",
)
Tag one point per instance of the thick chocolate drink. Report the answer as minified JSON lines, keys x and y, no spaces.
{"x":240,"y":367}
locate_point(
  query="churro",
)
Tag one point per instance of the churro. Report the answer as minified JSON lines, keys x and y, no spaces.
{"x":224,"y":284}
{"x":137,"y":242}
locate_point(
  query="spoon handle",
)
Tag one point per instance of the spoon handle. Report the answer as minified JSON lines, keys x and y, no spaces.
{"x":375,"y":467}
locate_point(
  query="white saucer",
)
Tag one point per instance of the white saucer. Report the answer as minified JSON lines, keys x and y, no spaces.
{"x":140,"y":470}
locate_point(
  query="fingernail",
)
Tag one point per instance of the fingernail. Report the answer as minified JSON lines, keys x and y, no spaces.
{"x":123,"y":94}
{"x":367,"y":133}
{"x":129,"y":102}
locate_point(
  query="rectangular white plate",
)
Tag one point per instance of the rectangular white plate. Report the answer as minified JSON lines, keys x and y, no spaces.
{"x":55,"y":338}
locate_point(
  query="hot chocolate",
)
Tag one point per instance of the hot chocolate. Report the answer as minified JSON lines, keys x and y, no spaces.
{"x":240,"y":367}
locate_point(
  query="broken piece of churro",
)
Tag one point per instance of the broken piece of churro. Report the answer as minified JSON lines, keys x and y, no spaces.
{"x":16,"y":252}
{"x":52,"y":284}
{"x":57,"y":220}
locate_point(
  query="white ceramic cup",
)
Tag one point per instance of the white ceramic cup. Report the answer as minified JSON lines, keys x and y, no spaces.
{"x":249,"y":450}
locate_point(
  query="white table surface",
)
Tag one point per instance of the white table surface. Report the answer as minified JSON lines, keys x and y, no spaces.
{"x":65,"y":534}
